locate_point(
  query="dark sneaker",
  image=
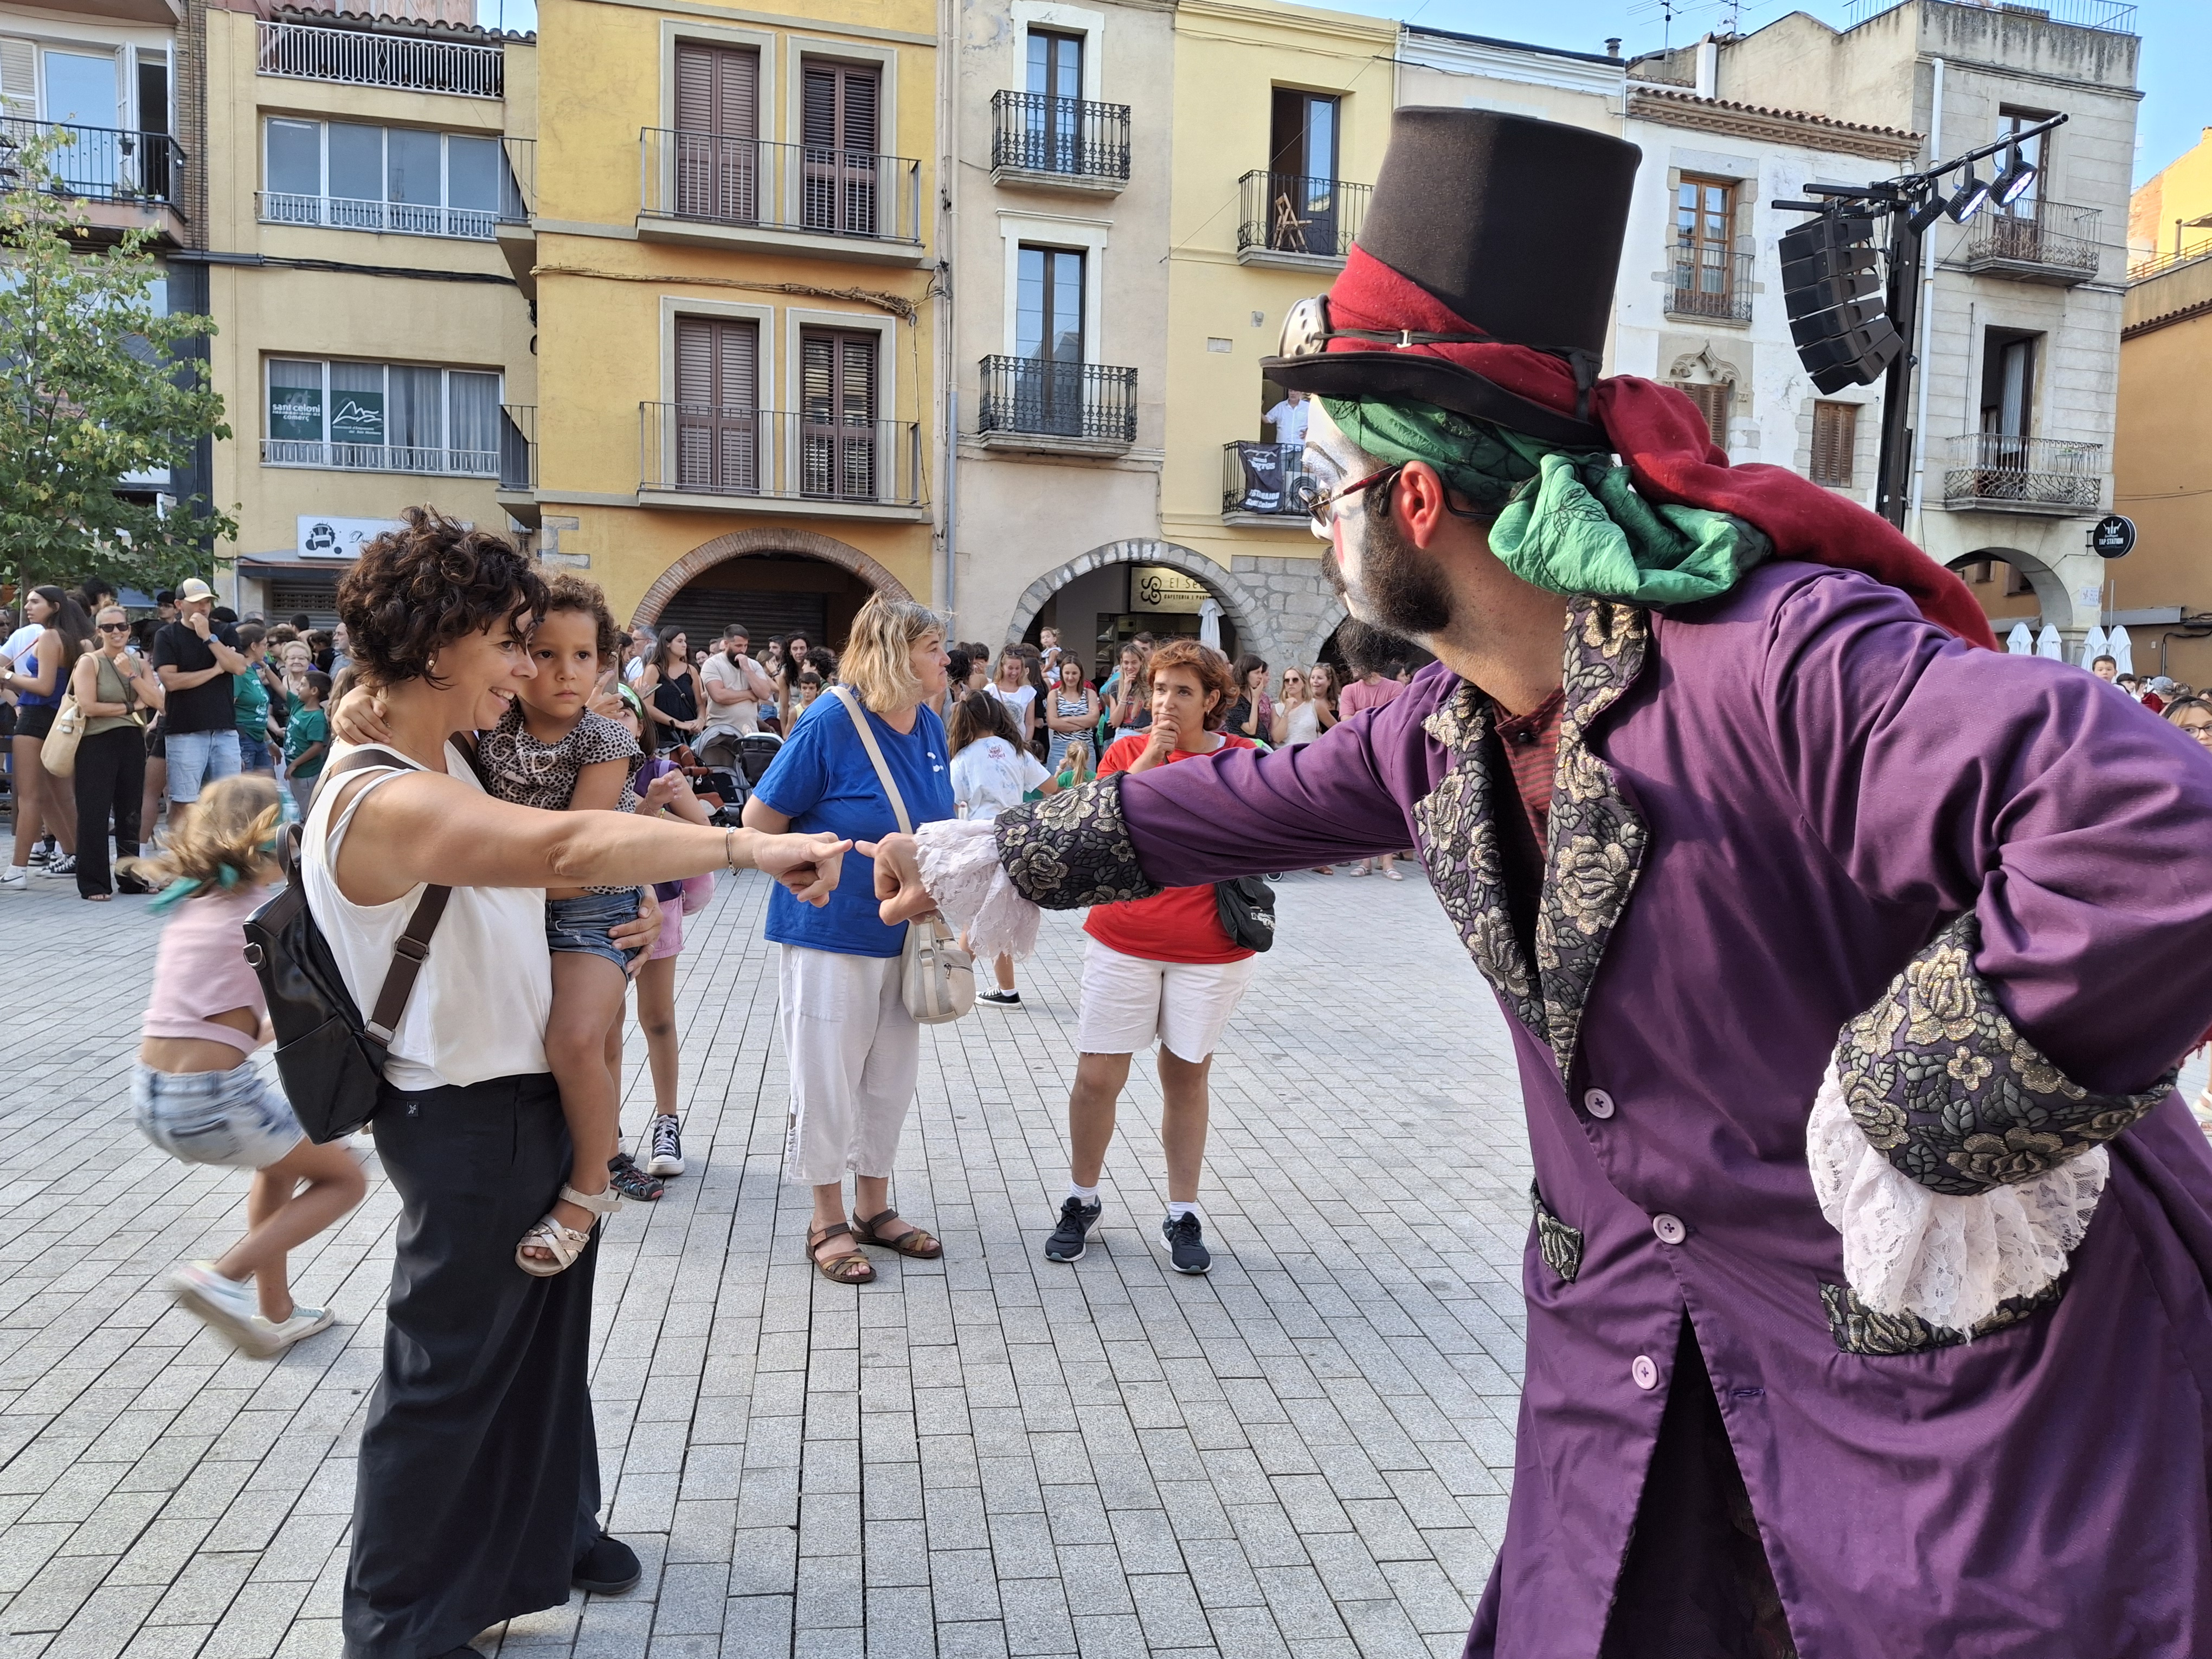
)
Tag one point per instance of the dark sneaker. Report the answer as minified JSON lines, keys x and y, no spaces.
{"x":608,"y":1568}
{"x":632,"y":1182}
{"x":1187,"y":1251}
{"x":1071,"y":1238}
{"x":1001,"y":999}
{"x":667,"y":1158}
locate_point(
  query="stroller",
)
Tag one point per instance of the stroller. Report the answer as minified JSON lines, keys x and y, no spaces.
{"x":728,"y":765}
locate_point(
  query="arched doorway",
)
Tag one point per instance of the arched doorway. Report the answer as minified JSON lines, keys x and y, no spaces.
{"x":2014,"y":586}
{"x":773,"y":582}
{"x":1113,"y":593}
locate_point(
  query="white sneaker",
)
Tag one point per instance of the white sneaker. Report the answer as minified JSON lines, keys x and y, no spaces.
{"x":17,"y":879}
{"x":227,"y":1306}
{"x":304,"y":1323}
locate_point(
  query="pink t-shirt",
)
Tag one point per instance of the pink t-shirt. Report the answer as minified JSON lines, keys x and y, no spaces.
{"x":200,"y":970}
{"x":1359,"y":696}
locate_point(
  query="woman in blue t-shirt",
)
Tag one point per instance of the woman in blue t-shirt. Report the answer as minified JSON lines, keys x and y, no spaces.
{"x":853,"y":1050}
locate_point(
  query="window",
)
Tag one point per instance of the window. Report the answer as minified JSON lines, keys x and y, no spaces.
{"x":1712,"y":397}
{"x":351,"y":177}
{"x":1302,"y":196}
{"x":1835,"y":434}
{"x":1049,"y":339}
{"x":1054,"y":113}
{"x":839,"y":135}
{"x":2035,"y":152}
{"x":1705,"y":247}
{"x":2008,"y":383}
{"x":381,"y":417}
{"x":718,"y":421}
{"x":1056,"y":64}
{"x":718,"y":132}
{"x":837,"y":413}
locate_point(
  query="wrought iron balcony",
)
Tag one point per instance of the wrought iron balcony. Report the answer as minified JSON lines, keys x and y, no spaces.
{"x":1291,"y":218}
{"x":706,"y":178}
{"x":101,"y":164}
{"x":1712,"y":284}
{"x":1070,"y":405}
{"x":1266,"y":480}
{"x":2109,"y":17}
{"x":365,"y":57}
{"x":381,"y":458}
{"x":518,"y":447}
{"x":2034,"y":242}
{"x":1040,"y":139}
{"x":2034,"y":475}
{"x":704,"y":450}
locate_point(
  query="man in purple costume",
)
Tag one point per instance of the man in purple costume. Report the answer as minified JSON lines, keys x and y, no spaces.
{"x":1848,"y":964}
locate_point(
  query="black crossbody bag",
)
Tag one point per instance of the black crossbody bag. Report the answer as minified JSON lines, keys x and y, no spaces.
{"x":331,"y":1061}
{"x":1247,"y":911}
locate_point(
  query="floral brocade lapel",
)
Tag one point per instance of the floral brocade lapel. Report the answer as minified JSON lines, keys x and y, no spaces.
{"x":1596,"y":847}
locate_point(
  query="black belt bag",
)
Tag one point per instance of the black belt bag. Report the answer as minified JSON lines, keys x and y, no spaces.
{"x":1248,"y":912}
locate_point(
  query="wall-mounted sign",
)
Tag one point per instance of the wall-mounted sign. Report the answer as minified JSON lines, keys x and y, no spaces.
{"x":340,"y":538}
{"x":2113,"y":538}
{"x":358,"y":417}
{"x":1161,"y":588}
{"x":295,"y":413}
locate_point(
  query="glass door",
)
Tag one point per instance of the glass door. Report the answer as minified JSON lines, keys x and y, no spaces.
{"x":1301,"y":205}
{"x":1048,"y":342}
{"x":1055,"y":138}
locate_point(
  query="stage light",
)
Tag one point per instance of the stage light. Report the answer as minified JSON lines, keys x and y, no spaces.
{"x":1969,"y":199}
{"x":2013,"y":182}
{"x":1832,"y":291}
{"x":1929,"y":211}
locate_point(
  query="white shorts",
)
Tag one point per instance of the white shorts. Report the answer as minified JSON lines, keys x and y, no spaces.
{"x":1128,"y":1002}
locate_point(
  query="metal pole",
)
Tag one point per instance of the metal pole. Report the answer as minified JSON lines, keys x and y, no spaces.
{"x":1892,"y":487}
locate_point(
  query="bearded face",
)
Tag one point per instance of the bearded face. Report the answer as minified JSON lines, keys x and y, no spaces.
{"x":1385,"y":581}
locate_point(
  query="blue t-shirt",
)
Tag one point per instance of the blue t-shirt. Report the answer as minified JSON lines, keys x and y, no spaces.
{"x":823,"y":780}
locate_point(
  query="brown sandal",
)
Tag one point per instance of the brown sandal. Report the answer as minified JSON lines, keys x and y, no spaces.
{"x":913,"y":1241}
{"x":850,"y":1269}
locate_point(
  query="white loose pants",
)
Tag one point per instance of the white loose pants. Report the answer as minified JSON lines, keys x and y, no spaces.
{"x":854,"y":1054}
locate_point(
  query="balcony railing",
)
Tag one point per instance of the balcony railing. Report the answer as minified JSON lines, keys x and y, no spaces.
{"x":101,"y":164}
{"x":1033,"y":133}
{"x":2050,"y":237}
{"x":2111,"y":17}
{"x":701,"y":449}
{"x":2151,"y":264}
{"x":1710,"y":283}
{"x":707,"y":177}
{"x":381,"y":457}
{"x":1290,"y":213}
{"x":2048,"y":473}
{"x":361,"y":58}
{"x":402,"y":218}
{"x":1269,"y":480}
{"x":517,"y":446}
{"x":1091,"y":402}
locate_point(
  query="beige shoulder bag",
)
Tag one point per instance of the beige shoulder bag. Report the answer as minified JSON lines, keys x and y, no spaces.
{"x":937,"y":978}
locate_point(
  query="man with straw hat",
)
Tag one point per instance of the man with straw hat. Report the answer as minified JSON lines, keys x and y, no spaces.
{"x":1848,"y":962}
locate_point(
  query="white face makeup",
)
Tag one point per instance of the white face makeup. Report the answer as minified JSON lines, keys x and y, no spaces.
{"x":1334,"y":460}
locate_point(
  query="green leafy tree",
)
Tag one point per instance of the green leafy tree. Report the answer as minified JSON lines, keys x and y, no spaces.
{"x":93,"y":386}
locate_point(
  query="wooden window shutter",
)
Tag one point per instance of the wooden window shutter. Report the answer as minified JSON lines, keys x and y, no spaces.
{"x":837,"y":413}
{"x":1835,"y":436}
{"x":839,"y":130}
{"x":1712,"y":398}
{"x":716,"y":141}
{"x":717,"y":394}
{"x":19,"y":80}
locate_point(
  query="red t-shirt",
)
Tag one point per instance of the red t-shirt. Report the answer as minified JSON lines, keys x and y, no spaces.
{"x":1183,"y":924}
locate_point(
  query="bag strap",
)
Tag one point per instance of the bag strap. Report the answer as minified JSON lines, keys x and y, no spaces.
{"x":875,"y":753}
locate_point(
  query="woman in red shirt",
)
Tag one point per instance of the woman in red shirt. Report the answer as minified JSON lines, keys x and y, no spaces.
{"x":1156,"y":969}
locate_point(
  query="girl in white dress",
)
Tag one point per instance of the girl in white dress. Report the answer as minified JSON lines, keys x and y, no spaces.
{"x":992,"y":770}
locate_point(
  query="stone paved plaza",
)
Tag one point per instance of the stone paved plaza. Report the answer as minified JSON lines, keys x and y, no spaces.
{"x":1306,"y":1453}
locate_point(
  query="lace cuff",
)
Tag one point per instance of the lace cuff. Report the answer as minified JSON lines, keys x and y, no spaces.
{"x":1936,"y":1078}
{"x":1072,"y":849}
{"x":960,"y":869}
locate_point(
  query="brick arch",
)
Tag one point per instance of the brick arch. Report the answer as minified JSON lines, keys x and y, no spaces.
{"x":740,"y":543}
{"x":1254,"y":630}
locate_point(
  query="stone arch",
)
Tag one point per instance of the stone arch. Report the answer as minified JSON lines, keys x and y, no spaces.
{"x":2051,"y":592}
{"x":740,"y":543}
{"x":1333,"y":618}
{"x":1244,"y":608}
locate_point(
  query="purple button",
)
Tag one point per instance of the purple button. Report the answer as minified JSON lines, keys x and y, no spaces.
{"x":1597,"y":1102}
{"x":1644,"y":1373}
{"x":1669,"y":1229}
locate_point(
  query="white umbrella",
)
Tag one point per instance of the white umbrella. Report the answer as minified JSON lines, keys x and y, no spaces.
{"x":2021,"y":640}
{"x":2092,"y":645}
{"x":2123,"y":650}
{"x":1209,"y":622}
{"x":2048,"y":644}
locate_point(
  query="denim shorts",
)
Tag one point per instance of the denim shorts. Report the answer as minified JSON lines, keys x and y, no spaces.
{"x":580,"y":924}
{"x":200,"y":757}
{"x":236,"y":1118}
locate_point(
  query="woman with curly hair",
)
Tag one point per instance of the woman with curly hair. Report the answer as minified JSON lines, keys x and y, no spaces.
{"x":478,"y":1488}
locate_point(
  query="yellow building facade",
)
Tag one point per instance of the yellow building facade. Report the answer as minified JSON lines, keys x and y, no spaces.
{"x":372,"y":346}
{"x":729,"y":251}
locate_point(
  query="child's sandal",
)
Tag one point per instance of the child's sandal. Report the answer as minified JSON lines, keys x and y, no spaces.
{"x":566,"y":1243}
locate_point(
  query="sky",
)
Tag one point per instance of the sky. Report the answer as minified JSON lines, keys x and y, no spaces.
{"x":2176,"y":37}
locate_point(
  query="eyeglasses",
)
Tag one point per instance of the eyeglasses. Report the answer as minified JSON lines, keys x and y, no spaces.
{"x":115,"y":627}
{"x":1321,"y":503}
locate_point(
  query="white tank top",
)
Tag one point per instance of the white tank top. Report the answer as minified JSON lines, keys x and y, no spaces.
{"x":481,"y":1002}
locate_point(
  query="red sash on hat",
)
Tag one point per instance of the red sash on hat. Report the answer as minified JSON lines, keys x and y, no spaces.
{"x":1662,"y":437}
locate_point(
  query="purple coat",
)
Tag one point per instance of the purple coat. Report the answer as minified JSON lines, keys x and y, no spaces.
{"x":1766,"y":806}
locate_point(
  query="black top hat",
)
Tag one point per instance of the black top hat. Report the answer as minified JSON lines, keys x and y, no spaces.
{"x":1516,"y":226}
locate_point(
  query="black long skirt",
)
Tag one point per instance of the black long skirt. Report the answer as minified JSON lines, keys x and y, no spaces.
{"x":478,"y":1483}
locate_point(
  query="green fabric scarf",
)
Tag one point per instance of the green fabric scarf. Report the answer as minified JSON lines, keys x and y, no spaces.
{"x":1569,"y":521}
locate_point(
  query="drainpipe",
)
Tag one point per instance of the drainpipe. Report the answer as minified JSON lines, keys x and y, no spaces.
{"x":948,"y":227}
{"x":1927,"y":329}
